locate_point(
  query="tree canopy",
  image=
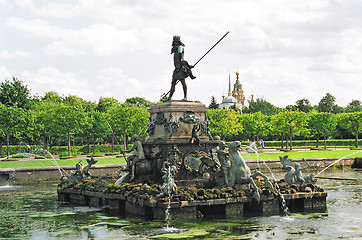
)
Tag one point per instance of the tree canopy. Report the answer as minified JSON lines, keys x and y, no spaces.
{"x":354,"y":106}
{"x":223,"y":122}
{"x":261,"y":105}
{"x":323,"y":124}
{"x":14,"y":93}
{"x":213,"y":103}
{"x":327,"y":104}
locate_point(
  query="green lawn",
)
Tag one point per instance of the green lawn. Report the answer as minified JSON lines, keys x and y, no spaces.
{"x":63,"y":162}
{"x":294,"y":155}
{"x":265,"y":156}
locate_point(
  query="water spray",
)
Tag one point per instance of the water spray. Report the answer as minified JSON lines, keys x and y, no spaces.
{"x":282,"y":199}
{"x":337,"y":162}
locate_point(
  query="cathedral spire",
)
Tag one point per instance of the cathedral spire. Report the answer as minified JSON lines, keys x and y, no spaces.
{"x":229,"y":93}
{"x":238,"y":92}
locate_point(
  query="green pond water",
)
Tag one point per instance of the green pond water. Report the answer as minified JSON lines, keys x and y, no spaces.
{"x":31,"y":211}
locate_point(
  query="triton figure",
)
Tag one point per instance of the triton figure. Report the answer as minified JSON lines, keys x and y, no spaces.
{"x":182,"y":68}
{"x":137,"y":155}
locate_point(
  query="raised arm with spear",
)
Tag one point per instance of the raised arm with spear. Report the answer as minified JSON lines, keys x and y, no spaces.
{"x":182,"y":68}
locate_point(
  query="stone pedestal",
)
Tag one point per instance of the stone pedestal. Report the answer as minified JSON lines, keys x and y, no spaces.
{"x":177,"y":130}
{"x":173,"y":121}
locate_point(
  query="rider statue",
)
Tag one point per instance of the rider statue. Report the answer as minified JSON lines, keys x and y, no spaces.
{"x":182,"y":68}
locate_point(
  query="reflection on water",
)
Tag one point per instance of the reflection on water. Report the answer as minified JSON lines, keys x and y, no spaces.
{"x":31,"y":211}
{"x":9,"y":187}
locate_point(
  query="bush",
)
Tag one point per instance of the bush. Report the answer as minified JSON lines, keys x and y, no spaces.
{"x":20,"y":155}
{"x":95,"y":155}
{"x":65,"y":155}
{"x":111,"y":154}
{"x":313,"y":143}
{"x":15,"y":149}
{"x":10,"y":160}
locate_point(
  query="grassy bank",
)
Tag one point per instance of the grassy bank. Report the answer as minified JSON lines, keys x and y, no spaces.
{"x":46,"y":163}
{"x":265,"y":156}
{"x":311,"y":154}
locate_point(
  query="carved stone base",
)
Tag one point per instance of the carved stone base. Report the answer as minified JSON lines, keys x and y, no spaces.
{"x":178,"y":129}
{"x":157,"y":152}
{"x":174,"y":121}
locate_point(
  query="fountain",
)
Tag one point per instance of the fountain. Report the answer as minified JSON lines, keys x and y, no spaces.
{"x":180,"y":172}
{"x":177,"y":174}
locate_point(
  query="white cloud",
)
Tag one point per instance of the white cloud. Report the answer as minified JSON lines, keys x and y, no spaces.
{"x":36,"y":28}
{"x":5,"y":74}
{"x":6,"y":4}
{"x":285,"y":50}
{"x":15,"y":54}
{"x":98,"y":39}
{"x":52,"y":79}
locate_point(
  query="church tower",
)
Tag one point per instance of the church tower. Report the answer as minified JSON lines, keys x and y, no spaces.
{"x":238,"y":92}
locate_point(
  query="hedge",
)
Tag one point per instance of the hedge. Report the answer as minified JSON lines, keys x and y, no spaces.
{"x":57,"y":150}
{"x":313,"y":143}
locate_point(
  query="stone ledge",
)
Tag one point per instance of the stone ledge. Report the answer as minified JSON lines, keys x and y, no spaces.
{"x":178,"y":106}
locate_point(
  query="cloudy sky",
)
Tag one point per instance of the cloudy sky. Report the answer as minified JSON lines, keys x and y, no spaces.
{"x":285,"y":50}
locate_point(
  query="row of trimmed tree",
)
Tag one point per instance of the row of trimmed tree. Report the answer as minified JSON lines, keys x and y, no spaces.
{"x":58,"y":120}
{"x":284,"y":125}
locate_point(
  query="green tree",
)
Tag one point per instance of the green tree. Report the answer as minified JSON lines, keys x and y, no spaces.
{"x":2,"y":137}
{"x":75,"y":101}
{"x":79,"y":102}
{"x":97,"y":127}
{"x":291,"y":108}
{"x":224,"y":122}
{"x":104,"y":104}
{"x":52,"y":96}
{"x":15,"y":93}
{"x":46,"y":120}
{"x":213,"y":103}
{"x":261,"y":105}
{"x":235,"y":108}
{"x":140,"y":102}
{"x":127,"y":120}
{"x":352,"y":122}
{"x":279,"y":127}
{"x":303,"y":105}
{"x":255,"y":124}
{"x":354,"y":106}
{"x":327,"y":104}
{"x":322,"y":124}
{"x":296,"y":123}
{"x":67,"y":121}
{"x":13,"y":123}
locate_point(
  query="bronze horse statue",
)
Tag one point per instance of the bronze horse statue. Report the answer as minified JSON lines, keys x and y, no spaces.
{"x":241,"y":173}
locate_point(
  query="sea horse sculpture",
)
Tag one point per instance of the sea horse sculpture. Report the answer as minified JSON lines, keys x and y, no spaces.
{"x":81,"y":173}
{"x":240,"y":173}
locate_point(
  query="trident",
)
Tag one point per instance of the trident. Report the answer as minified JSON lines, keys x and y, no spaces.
{"x":165,"y":94}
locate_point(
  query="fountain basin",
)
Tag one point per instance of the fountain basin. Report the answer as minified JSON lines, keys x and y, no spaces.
{"x":140,"y":201}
